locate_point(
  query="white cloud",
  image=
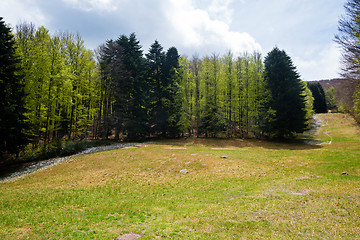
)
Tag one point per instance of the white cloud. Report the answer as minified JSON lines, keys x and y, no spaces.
{"x":220,"y":9}
{"x":324,"y":64}
{"x":90,"y":5}
{"x":26,"y":10}
{"x":196,"y":29}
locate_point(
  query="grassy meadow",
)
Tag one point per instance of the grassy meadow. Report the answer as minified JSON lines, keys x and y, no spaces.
{"x":196,"y":189}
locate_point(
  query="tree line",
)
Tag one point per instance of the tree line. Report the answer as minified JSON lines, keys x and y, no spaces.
{"x":66,"y":92}
{"x":348,"y":38}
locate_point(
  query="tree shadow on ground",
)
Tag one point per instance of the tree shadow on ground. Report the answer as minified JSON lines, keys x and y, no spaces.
{"x":289,"y":144}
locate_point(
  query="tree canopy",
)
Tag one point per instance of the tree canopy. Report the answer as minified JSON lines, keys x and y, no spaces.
{"x":12,"y":119}
{"x":349,"y":39}
{"x":288,"y":97}
{"x":65,"y":95}
{"x":318,"y":93}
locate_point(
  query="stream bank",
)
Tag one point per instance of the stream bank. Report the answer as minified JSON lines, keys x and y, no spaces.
{"x":21,"y":169}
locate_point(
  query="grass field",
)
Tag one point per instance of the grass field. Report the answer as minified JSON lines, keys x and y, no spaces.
{"x":196,"y":189}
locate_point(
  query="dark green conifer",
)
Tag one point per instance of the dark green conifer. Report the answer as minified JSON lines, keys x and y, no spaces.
{"x":319,"y":97}
{"x":12,"y":122}
{"x":288,"y":95}
{"x":136,"y":125}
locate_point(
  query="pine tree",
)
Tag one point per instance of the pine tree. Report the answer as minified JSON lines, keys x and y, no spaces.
{"x":288,"y":95}
{"x":156,"y":59}
{"x":319,"y":97}
{"x":171,"y":90}
{"x":136,"y":125}
{"x":114,"y":89}
{"x":12,"y":121}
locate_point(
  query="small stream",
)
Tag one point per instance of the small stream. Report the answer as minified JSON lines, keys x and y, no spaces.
{"x":315,"y":125}
{"x":26,"y":168}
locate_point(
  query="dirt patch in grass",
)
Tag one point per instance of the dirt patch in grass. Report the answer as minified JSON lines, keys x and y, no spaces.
{"x":229,"y":149}
{"x":175,"y":148}
{"x":129,"y":236}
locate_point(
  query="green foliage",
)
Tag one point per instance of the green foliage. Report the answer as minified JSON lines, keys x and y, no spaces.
{"x":12,"y":121}
{"x":330,"y":98}
{"x":139,"y":96}
{"x":309,"y":103}
{"x":357,"y":104}
{"x":124,"y":89}
{"x":288,"y":95}
{"x":60,"y":149}
{"x":127,"y":94}
{"x":319,"y":95}
{"x":61,"y":82}
{"x":136,"y":124}
{"x":223,"y":96}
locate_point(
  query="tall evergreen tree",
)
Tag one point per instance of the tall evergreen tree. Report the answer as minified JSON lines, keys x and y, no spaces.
{"x":156,"y":58}
{"x":136,"y":125}
{"x":171,"y":84}
{"x":319,"y":97}
{"x":288,"y":95}
{"x":12,"y":122}
{"x":113,"y":89}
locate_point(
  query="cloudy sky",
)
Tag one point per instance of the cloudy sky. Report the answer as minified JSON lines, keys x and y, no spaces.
{"x":303,"y":28}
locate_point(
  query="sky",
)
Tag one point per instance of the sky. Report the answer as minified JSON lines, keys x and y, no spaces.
{"x":305,"y":29}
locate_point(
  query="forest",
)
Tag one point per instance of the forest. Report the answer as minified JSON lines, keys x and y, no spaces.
{"x":65,"y":92}
{"x":220,"y":146}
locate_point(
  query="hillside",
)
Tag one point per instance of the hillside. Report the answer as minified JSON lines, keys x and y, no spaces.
{"x":196,"y":189}
{"x":344,"y":90}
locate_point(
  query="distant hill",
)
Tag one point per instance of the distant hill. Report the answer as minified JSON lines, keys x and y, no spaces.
{"x":344,"y":90}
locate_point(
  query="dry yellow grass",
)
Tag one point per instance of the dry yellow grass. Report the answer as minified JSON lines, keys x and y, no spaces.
{"x":231,"y":189}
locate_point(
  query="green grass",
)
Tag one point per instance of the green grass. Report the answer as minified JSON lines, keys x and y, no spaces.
{"x":262,"y":190}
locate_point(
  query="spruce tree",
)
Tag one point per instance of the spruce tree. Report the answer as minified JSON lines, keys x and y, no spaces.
{"x":155,"y":59}
{"x":12,"y":122}
{"x":319,"y":97}
{"x":134,"y":64}
{"x":171,"y":84}
{"x":288,"y":95}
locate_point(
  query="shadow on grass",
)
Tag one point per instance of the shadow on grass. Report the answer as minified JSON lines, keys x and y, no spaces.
{"x":302,"y":143}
